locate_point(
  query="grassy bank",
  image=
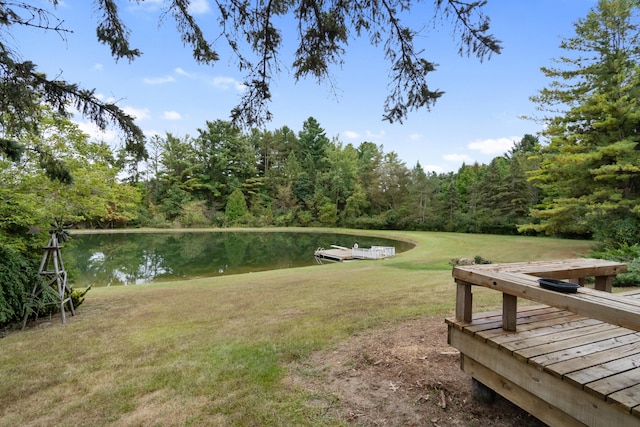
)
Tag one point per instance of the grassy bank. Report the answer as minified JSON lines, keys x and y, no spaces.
{"x":216,"y":351}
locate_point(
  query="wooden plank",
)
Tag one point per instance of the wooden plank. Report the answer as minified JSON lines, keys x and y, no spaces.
{"x":581,"y":346}
{"x":606,"y":386}
{"x":602,"y":370}
{"x":558,"y":269}
{"x":635,"y":293}
{"x":498,"y":335}
{"x":495,"y":322}
{"x":535,"y":337}
{"x":594,"y":358}
{"x":537,"y":344}
{"x":607,"y":299}
{"x":627,"y":399}
{"x":495,"y":317}
{"x":574,"y":402}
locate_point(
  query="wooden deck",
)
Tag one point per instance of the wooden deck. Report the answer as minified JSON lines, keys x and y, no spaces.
{"x":565,"y":368}
{"x":336,"y":254}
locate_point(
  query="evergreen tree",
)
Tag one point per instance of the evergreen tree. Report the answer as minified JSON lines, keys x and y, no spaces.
{"x":369,"y":160}
{"x":418,"y":193}
{"x":590,"y":171}
{"x":341,"y":175}
{"x":468,"y":182}
{"x":313,"y":147}
{"x":225,"y":159}
{"x":236,"y":208}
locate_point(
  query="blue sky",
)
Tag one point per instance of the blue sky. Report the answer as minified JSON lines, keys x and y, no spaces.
{"x":477,"y":118}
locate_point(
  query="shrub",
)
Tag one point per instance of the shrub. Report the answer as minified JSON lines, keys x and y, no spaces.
{"x":628,"y":254}
{"x":193,"y":214}
{"x":468,"y":261}
{"x":17,"y":276}
{"x":479,"y":260}
{"x":236,"y":208}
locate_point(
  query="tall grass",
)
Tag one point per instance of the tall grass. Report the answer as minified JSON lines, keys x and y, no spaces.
{"x":216,"y":351}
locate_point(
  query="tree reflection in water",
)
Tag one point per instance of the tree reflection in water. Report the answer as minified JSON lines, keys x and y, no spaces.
{"x":136,"y":258}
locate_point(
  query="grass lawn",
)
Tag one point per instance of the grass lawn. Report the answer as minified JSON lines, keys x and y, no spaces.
{"x":216,"y":351}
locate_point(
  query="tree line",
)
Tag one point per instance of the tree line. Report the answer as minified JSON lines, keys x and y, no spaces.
{"x":224,"y":176}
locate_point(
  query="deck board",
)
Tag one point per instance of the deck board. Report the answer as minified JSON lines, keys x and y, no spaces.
{"x":585,"y":357}
{"x":552,"y":354}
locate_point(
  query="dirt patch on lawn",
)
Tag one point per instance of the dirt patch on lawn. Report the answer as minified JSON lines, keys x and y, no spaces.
{"x":407,"y":376}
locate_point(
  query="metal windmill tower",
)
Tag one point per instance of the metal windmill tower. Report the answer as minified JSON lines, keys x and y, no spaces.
{"x":54,"y":275}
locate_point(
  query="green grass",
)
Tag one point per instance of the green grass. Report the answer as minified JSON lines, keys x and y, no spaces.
{"x":217,"y":351}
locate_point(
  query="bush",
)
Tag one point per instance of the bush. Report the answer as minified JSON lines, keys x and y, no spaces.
{"x":48,"y":302}
{"x":468,"y":261}
{"x":17,"y":277}
{"x":615,"y":232}
{"x":628,"y":254}
{"x":193,"y":214}
{"x":236,"y":208}
{"x":479,"y":260}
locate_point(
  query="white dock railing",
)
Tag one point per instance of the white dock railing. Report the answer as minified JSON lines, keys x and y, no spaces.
{"x":374,"y":252}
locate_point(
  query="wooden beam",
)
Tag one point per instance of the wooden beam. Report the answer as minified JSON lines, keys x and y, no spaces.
{"x":509,"y":312}
{"x":604,"y":283}
{"x":557,"y":269}
{"x":464,"y":301}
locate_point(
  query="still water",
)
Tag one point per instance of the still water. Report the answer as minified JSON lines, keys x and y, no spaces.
{"x":136,"y":258}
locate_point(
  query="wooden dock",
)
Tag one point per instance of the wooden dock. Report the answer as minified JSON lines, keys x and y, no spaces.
{"x":574,"y":361}
{"x":335,"y":255}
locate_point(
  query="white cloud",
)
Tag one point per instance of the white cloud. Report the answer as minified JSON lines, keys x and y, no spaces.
{"x":433,"y":168}
{"x":458,"y":158}
{"x":351,"y":134}
{"x":101,"y":97}
{"x":90,"y":128}
{"x":198,"y":7}
{"x":158,"y":80}
{"x":151,"y":5}
{"x":493,"y":146}
{"x":226,"y":83}
{"x":182,"y":72}
{"x":137,"y":113}
{"x":172,"y":115}
{"x":152,"y":133}
{"x":378,"y":135}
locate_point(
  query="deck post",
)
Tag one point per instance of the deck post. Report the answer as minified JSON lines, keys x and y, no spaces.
{"x":481,"y":393}
{"x":604,"y":283}
{"x":464,"y":301}
{"x":509,"y":312}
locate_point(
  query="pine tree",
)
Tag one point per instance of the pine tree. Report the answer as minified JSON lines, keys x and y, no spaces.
{"x":590,"y":170}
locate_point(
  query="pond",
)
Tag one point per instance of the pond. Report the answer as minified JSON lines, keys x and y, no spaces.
{"x":136,"y":258}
